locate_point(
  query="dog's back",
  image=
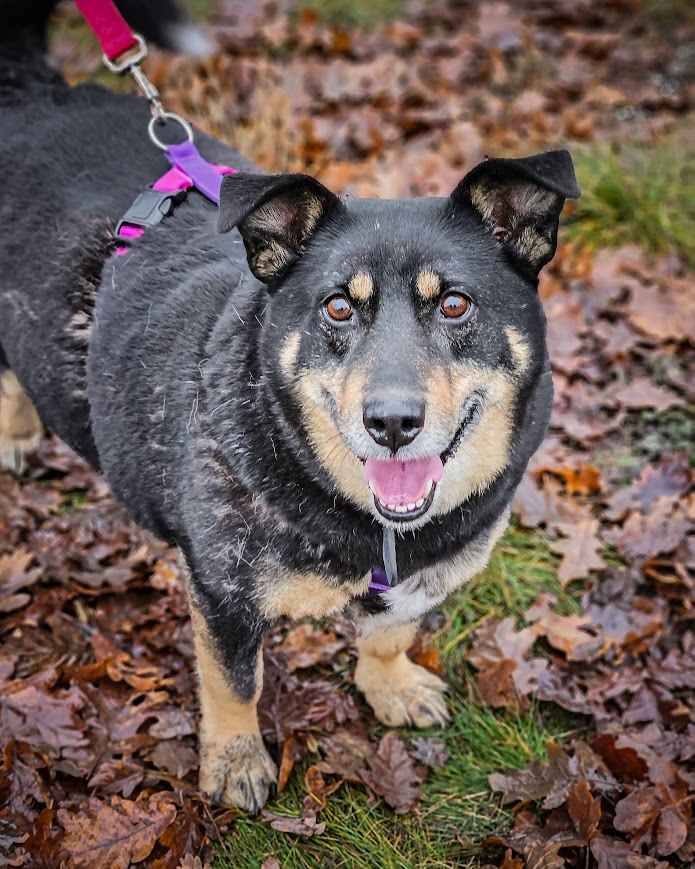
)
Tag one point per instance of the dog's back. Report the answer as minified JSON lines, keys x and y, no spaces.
{"x":75,"y":159}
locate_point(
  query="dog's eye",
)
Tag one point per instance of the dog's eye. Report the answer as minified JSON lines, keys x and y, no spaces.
{"x":338,"y":308}
{"x":455,"y":306}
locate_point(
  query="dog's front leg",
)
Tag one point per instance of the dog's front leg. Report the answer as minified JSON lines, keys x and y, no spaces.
{"x":399,"y":691}
{"x":235,"y":768}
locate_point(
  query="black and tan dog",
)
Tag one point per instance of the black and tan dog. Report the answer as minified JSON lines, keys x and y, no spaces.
{"x":273,"y":396}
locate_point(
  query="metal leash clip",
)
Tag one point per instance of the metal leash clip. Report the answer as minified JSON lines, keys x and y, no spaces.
{"x":130,"y":62}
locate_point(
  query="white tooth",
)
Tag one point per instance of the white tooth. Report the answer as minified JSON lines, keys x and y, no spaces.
{"x":428,"y":488}
{"x":411,"y":507}
{"x":419,"y":503}
{"x":403,"y":508}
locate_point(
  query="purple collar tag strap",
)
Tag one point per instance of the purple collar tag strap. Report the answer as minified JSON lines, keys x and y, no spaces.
{"x":385,"y":578}
{"x":379,"y":583}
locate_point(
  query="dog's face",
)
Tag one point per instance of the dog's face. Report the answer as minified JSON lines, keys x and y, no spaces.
{"x":404,"y":333}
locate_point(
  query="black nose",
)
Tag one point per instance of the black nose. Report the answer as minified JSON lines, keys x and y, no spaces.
{"x":394,"y":423}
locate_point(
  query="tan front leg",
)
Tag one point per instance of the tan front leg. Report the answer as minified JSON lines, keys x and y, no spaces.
{"x":20,"y":426}
{"x":399,"y":691}
{"x":235,"y":768}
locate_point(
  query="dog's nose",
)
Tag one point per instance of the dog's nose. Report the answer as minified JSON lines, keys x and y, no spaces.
{"x":394,"y":423}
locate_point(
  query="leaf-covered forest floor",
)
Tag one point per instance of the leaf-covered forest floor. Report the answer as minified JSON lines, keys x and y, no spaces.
{"x":571,"y":659}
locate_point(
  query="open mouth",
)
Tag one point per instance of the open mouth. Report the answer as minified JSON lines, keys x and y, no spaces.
{"x":404,"y":490}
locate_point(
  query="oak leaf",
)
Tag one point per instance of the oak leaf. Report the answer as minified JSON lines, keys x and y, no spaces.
{"x":580,"y":550}
{"x":392,"y":774}
{"x":113,"y":835}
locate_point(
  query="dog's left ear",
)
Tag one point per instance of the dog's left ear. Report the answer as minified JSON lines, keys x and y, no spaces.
{"x":276,"y":216}
{"x":519,"y":201}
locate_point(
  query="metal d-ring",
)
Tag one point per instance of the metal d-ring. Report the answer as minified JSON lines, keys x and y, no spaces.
{"x":168,"y":116}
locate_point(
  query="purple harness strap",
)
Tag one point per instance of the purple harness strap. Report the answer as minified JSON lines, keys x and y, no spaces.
{"x":189,"y":170}
{"x":204,"y":176}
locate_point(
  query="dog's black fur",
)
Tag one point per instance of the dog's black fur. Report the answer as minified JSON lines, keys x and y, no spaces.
{"x":183,"y":369}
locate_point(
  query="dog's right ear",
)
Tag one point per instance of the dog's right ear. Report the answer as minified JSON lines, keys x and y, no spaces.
{"x":276,"y":216}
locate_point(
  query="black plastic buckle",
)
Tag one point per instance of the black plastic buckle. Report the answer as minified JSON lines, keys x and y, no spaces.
{"x":151,"y":207}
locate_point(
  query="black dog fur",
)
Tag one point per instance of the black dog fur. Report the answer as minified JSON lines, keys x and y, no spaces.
{"x":201,"y":374}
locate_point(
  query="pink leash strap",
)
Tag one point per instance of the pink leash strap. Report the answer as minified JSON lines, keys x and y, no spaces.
{"x":109,"y":26}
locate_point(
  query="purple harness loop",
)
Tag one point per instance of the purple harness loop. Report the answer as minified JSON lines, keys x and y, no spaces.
{"x":189,"y":170}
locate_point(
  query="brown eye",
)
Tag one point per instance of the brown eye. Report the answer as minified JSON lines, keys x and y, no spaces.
{"x":338,"y":308}
{"x":454,"y":306}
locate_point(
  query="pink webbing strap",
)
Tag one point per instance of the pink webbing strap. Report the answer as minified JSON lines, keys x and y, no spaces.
{"x":171,"y":182}
{"x":109,"y":26}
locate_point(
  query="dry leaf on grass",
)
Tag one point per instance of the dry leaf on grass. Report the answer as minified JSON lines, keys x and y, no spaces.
{"x":506,"y":676}
{"x":580,"y":550}
{"x":392,"y":774}
{"x":432,"y":752}
{"x":584,"y":809}
{"x":645,"y":536}
{"x":551,"y":781}
{"x":113,"y":835}
{"x":306,"y":826}
{"x":660,"y":814}
{"x":568,"y":634}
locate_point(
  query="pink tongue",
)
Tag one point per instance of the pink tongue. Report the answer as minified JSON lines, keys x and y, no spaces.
{"x":395,"y":482}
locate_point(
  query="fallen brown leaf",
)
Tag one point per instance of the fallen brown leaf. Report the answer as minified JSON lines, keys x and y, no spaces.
{"x":113,"y":835}
{"x":305,"y":646}
{"x":499,"y":652}
{"x":580,"y":550}
{"x":392,"y":774}
{"x":584,"y":809}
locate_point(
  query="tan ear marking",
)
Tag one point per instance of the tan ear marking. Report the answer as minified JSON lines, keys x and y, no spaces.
{"x":428,"y":284}
{"x":361,"y":287}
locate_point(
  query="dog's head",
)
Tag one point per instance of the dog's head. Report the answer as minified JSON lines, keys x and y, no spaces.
{"x":407,"y":332}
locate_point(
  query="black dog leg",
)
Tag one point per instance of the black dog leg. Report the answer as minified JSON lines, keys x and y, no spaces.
{"x":235,"y":768}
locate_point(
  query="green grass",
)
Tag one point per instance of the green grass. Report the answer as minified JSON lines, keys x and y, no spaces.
{"x":457,"y":810}
{"x":668,"y":14}
{"x":637,"y":194}
{"x":521,"y":567}
{"x":353,"y":13}
{"x":663,"y":432}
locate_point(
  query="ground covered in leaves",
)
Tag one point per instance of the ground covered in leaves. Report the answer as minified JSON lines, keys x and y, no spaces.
{"x":571,"y":660}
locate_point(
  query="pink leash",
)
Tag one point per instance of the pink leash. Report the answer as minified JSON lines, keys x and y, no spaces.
{"x":122,"y":52}
{"x":110,"y":28}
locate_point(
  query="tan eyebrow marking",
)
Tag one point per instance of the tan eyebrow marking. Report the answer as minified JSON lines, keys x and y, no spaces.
{"x":361,"y":287}
{"x":428,"y":284}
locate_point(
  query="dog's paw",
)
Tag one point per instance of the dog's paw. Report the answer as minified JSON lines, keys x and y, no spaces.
{"x":406,"y":695}
{"x":239,"y":774}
